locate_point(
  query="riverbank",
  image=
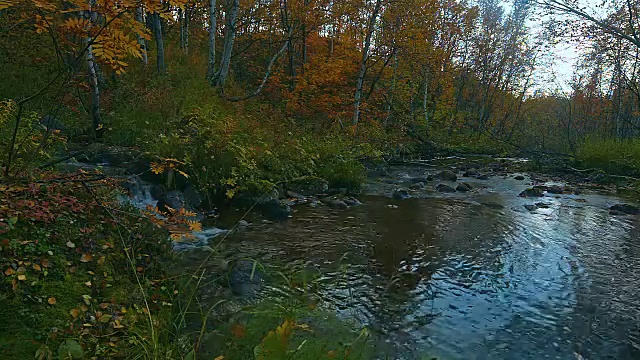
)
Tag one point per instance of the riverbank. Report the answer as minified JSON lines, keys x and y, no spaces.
{"x":82,"y":275}
{"x":85,"y":274}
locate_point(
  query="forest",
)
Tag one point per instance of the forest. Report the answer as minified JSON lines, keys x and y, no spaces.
{"x":228,"y":102}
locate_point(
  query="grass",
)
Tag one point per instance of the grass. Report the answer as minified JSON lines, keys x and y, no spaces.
{"x":313,"y":334}
{"x":73,"y":273}
{"x":615,"y":157}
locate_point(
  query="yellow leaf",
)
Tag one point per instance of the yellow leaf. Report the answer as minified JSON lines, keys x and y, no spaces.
{"x":22,"y":277}
{"x":74,"y":313}
{"x":37,"y":267}
{"x":182,"y":173}
{"x":51,"y":301}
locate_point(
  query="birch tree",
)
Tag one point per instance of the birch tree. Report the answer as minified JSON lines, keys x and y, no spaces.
{"x":366,"y":48}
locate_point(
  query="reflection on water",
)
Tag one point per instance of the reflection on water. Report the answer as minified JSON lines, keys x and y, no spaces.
{"x":455,"y":278}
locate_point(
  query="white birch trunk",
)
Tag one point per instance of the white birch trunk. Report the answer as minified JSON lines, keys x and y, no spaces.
{"x":212,"y":40}
{"x":143,"y":44}
{"x":229,"y":38}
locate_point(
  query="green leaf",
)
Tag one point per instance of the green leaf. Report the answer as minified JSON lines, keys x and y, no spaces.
{"x":70,"y":349}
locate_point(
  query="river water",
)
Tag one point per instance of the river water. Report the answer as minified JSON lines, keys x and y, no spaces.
{"x":471,"y":275}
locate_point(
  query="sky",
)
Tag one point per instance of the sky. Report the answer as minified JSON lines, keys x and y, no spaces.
{"x":565,"y":56}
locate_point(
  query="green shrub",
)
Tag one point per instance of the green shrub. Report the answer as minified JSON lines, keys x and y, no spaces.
{"x":616,"y":157}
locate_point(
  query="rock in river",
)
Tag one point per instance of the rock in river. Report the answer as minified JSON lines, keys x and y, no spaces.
{"x":624,"y":209}
{"x":445,"y":188}
{"x":555,"y":189}
{"x":351,"y":201}
{"x":533,"y":192}
{"x":448,"y":175}
{"x":471,"y":173}
{"x":245,"y":277}
{"x":275,"y":209}
{"x":401,"y":194}
{"x":335,"y":203}
{"x":417,"y":186}
{"x":519,"y":177}
{"x":464,"y":187}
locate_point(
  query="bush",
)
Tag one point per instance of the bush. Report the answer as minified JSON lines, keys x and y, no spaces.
{"x":616,"y":157}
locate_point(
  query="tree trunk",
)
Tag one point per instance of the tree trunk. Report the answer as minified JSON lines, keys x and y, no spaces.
{"x":292,"y":65}
{"x":229,"y":38}
{"x":363,"y":63}
{"x":157,"y":32}
{"x":425,"y":97}
{"x":212,"y":40}
{"x":92,"y":74}
{"x":95,"y":91}
{"x":141,"y":41}
{"x":394,"y":80}
{"x":181,"y":22}
{"x":183,"y":16}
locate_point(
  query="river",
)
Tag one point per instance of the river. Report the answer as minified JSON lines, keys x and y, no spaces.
{"x":469,"y":275}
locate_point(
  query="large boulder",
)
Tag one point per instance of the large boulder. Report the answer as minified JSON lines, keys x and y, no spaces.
{"x":308,"y":186}
{"x":447,"y":175}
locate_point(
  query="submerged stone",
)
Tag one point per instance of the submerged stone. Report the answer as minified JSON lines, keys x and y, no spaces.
{"x":401,"y":194}
{"x":444,"y":188}
{"x":625,"y":209}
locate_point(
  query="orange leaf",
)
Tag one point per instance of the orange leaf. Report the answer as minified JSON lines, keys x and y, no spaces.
{"x":51,"y":301}
{"x":74,"y":313}
{"x":238,"y":331}
{"x":9,"y":271}
{"x":86,"y":258}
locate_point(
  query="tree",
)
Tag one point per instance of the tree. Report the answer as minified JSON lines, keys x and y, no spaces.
{"x":231,"y":18}
{"x":627,"y":10}
{"x":366,"y":48}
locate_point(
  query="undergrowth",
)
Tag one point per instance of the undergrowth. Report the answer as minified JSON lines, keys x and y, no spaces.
{"x":615,"y":157}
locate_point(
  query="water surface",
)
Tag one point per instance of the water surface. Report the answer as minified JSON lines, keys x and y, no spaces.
{"x":472,"y":276}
